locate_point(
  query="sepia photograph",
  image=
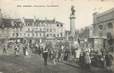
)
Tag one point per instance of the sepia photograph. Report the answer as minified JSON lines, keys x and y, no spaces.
{"x":56,"y":36}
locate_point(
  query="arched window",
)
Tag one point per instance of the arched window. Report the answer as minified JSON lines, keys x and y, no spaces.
{"x":109,"y":36}
{"x":110,"y":25}
{"x":100,"y":27}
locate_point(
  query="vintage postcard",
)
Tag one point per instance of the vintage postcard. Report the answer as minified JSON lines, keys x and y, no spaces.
{"x":56,"y":36}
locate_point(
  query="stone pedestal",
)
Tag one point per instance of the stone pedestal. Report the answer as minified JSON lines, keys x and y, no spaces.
{"x":72,"y":24}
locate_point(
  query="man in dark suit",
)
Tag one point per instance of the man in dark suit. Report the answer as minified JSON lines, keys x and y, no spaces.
{"x":45,"y":56}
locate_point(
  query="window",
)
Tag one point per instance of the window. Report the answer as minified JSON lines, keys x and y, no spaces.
{"x":100,"y":27}
{"x":47,"y":30}
{"x":36,"y":34}
{"x":40,"y":34}
{"x":109,"y":35}
{"x":110,"y":25}
{"x":26,"y":24}
{"x":24,"y":34}
{"x":32,"y":34}
{"x":40,"y":29}
{"x":17,"y":34}
{"x":53,"y":35}
{"x":28,"y":29}
{"x":28,"y":34}
{"x":57,"y":25}
{"x":61,"y":34}
{"x":57,"y":35}
{"x":15,"y":24}
{"x":61,"y":25}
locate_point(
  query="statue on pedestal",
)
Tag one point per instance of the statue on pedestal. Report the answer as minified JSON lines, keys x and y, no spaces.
{"x":72,"y":10}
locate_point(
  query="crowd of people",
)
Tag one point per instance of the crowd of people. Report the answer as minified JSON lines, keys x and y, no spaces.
{"x":84,"y":57}
{"x":88,"y":59}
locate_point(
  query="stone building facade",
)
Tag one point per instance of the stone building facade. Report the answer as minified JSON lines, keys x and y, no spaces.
{"x":103,"y":29}
{"x":31,"y":30}
{"x":45,"y":29}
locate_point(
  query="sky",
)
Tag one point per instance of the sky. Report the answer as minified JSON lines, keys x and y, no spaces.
{"x":58,"y":9}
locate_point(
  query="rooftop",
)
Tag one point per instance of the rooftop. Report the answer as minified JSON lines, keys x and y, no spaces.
{"x":9,"y":22}
{"x":104,"y":13}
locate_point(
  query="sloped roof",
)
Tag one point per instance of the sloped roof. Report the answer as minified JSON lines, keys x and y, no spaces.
{"x":7,"y":22}
{"x":38,"y":21}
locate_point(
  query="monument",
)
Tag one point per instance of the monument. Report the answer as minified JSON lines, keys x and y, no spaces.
{"x":72,"y":22}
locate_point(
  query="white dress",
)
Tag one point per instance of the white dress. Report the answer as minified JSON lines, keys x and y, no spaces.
{"x":27,"y":53}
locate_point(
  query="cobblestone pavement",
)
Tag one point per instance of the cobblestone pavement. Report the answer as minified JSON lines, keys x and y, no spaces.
{"x":34,"y":64}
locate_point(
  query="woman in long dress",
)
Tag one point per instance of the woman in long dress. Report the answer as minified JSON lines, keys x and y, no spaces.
{"x":87,"y":60}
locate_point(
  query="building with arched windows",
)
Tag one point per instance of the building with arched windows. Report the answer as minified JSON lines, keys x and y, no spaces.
{"x":103,"y":29}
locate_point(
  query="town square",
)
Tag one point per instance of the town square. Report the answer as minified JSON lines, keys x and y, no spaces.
{"x":44,"y":45}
